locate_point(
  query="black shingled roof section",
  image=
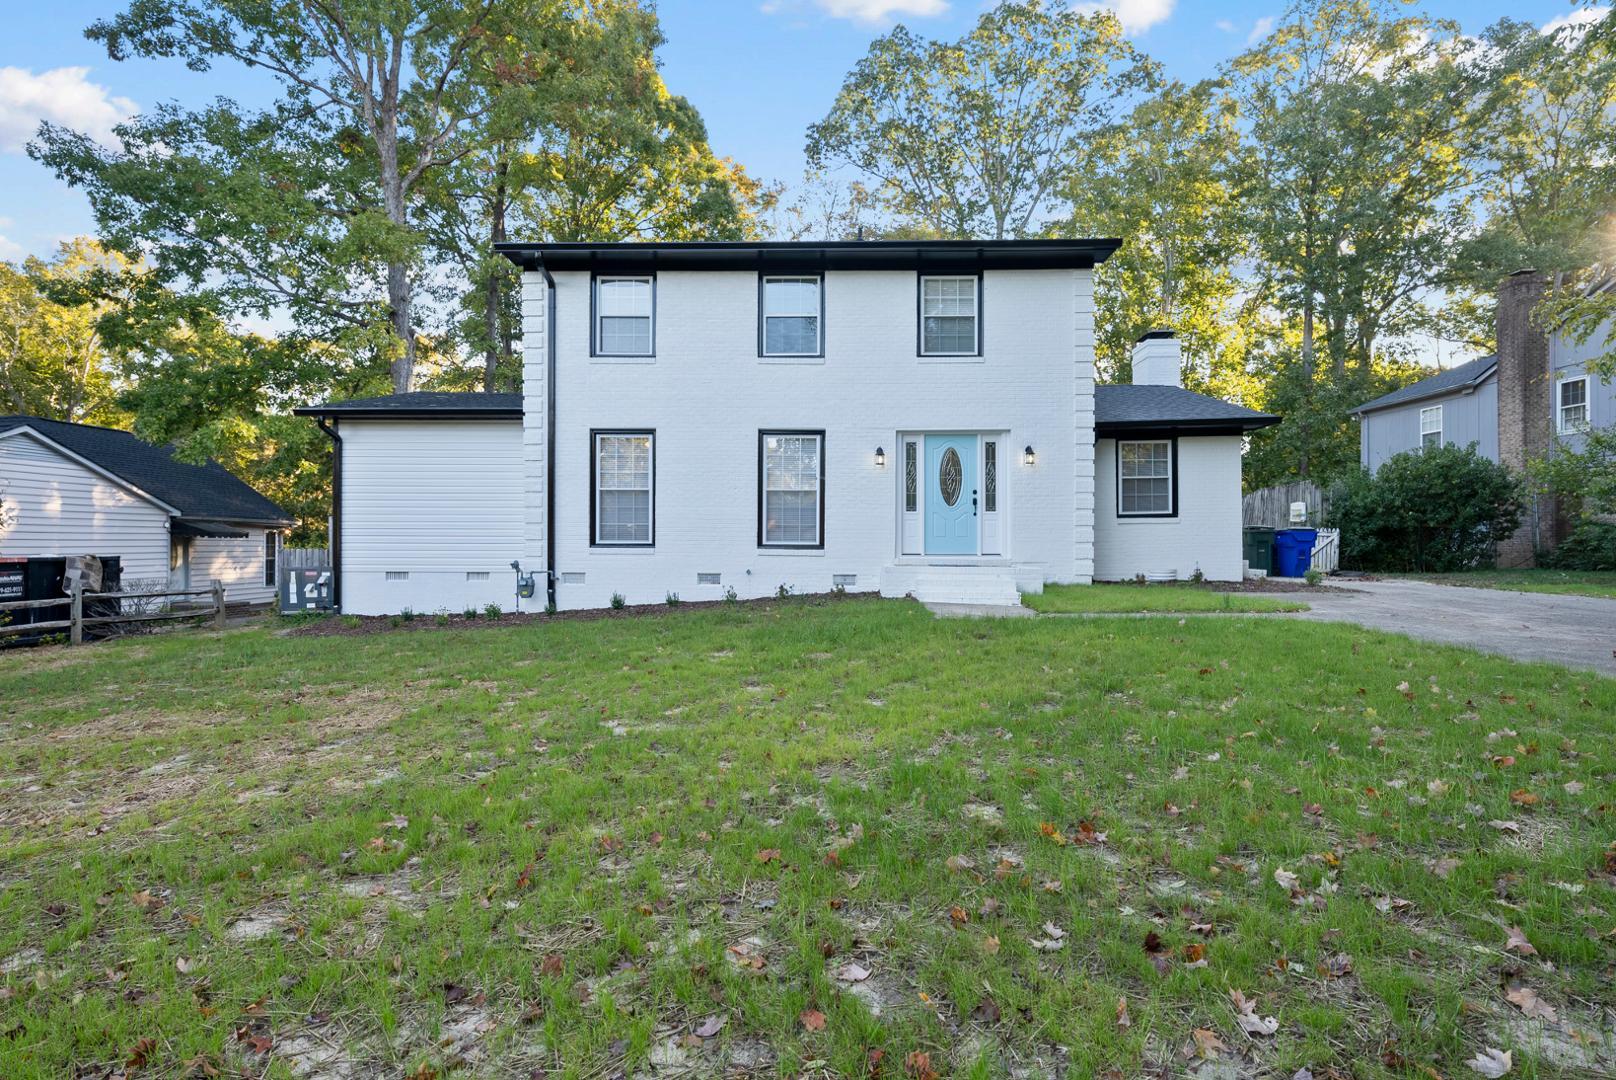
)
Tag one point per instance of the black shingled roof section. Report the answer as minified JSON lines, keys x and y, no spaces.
{"x":1444,"y":382}
{"x":783,"y":255}
{"x":208,"y":491}
{"x":421,"y":403}
{"x":1144,"y":405}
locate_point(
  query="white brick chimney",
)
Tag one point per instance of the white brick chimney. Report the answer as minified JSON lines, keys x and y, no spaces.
{"x":1157,"y":360}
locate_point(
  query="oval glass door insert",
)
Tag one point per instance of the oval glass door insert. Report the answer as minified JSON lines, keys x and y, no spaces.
{"x":949,"y":476}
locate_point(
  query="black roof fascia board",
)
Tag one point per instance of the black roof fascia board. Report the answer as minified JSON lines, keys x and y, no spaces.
{"x":340,"y":412}
{"x":929,"y":256}
{"x":1205,"y":426}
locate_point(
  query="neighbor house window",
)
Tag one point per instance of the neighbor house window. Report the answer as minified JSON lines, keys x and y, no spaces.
{"x":1574,"y":405}
{"x":792,"y":316}
{"x":272,"y":544}
{"x":623,"y":488}
{"x":625,"y":309}
{"x":950,"y":322}
{"x":791,"y":488}
{"x":1145,"y":478}
{"x":1431,"y":426}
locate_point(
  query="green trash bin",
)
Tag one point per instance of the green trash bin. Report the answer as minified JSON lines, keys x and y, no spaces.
{"x":1259,"y":548}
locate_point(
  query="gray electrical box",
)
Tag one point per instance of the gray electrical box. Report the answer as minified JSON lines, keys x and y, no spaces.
{"x":307,"y":588}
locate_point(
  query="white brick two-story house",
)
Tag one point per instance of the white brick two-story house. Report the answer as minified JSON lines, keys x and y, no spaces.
{"x":910,"y":417}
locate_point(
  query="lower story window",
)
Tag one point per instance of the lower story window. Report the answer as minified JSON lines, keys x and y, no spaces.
{"x":624,"y":486}
{"x":1145,"y":477}
{"x":791,"y":488}
{"x":272,"y":544}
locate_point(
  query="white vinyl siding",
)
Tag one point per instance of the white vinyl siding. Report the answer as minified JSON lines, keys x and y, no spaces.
{"x":791,"y":324}
{"x":1431,"y":426}
{"x":1145,"y":477}
{"x":624,"y":316}
{"x":948,"y":316}
{"x":61,"y":507}
{"x":431,"y":501}
{"x":235,"y":562}
{"x":792,"y":475}
{"x":624,"y":488}
{"x":1572,"y":407}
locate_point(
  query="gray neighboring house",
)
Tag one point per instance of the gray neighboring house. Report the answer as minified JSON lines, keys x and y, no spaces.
{"x":1516,"y":406}
{"x":1459,"y":405}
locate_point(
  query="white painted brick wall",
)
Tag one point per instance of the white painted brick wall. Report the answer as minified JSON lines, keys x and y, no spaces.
{"x":1204,"y":535}
{"x":707,"y":394}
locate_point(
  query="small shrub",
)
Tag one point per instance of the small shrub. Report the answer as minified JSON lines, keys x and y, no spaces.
{"x":1436,"y":510}
{"x":395,"y":621}
{"x":673,"y":599}
{"x":730,"y":595}
{"x":618,"y":603}
{"x":470,"y":613}
{"x":492,"y":611}
{"x":408,"y":615}
{"x":1139,"y":578}
{"x":783,"y":592}
{"x":442,"y":617}
{"x":1313,"y":576}
{"x":1591,"y":546}
{"x":550,"y":608}
{"x":1198,"y":578}
{"x":351,"y":621}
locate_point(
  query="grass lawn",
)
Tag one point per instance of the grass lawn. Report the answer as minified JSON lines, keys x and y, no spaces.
{"x":1128,"y":599}
{"x":1572,"y":582}
{"x":805,"y":839}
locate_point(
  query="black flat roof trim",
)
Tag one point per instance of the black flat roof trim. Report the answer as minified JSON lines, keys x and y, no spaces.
{"x":1227,"y":426}
{"x":931,"y":256}
{"x":342,"y":413}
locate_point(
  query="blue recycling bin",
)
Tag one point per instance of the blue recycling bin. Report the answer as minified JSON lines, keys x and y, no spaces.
{"x":1293,"y":551}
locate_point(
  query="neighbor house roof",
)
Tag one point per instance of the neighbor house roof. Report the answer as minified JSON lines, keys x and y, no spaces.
{"x":942,"y":256}
{"x":1464,"y":377}
{"x":422,"y":405}
{"x":1125,"y":407}
{"x":206,"y":492}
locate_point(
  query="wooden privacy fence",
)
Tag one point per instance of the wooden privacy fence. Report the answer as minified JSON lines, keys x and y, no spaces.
{"x":77,"y":620}
{"x":1270,"y":507}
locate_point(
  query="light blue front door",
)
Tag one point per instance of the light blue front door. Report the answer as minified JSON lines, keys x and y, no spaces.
{"x":951,"y":495}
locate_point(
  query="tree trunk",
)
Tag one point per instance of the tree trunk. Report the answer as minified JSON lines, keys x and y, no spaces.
{"x":398,"y":273}
{"x":1307,"y":374}
{"x":498,"y":343}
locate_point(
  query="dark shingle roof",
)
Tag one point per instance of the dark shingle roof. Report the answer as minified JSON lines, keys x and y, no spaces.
{"x":421,"y":405}
{"x":1443,"y":382}
{"x":787,"y":256}
{"x":207,"y":491}
{"x":1124,"y":406}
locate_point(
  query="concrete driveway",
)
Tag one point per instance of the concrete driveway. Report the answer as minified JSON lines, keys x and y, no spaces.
{"x":1577,"y":631}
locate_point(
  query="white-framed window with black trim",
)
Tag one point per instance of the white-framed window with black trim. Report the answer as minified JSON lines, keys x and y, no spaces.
{"x":791,"y":489}
{"x":272,"y":548}
{"x":1430,"y":426}
{"x":1571,"y":405}
{"x":1147,"y":477}
{"x":791,"y":315}
{"x":623,"y":310}
{"x":622,"y":488}
{"x":950,"y":314}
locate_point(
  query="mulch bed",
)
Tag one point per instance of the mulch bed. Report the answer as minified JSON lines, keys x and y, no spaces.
{"x":361,"y":625}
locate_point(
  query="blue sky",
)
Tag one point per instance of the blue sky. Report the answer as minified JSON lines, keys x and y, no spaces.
{"x":760,"y":71}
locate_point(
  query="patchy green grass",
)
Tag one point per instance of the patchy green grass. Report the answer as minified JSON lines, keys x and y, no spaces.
{"x":1569,"y":582}
{"x":651,"y":846}
{"x":1127,"y":599}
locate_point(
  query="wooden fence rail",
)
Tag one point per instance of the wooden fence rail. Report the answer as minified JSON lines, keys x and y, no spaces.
{"x":76,"y":620}
{"x":1270,"y":507}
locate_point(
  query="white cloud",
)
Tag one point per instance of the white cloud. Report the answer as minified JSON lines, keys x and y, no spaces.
{"x":62,"y":96}
{"x":10,"y":250}
{"x":876,"y":11}
{"x":1260,"y":29}
{"x":1225,"y":25}
{"x":1136,"y":16}
{"x":1577,"y":22}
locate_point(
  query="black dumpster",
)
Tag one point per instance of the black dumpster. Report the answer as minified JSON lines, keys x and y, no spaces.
{"x":40,"y":577}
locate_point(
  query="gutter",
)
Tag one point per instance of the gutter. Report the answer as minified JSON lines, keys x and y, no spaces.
{"x":549,"y":437}
{"x":336,"y":511}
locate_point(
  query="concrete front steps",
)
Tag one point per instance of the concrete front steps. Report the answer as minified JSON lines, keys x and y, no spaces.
{"x":987,"y":584}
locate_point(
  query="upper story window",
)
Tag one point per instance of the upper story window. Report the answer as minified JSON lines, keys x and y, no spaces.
{"x":1572,"y":408}
{"x":1145,"y":478}
{"x":625,"y":316}
{"x":793,"y":310}
{"x":1431,"y":426}
{"x":950,"y":315}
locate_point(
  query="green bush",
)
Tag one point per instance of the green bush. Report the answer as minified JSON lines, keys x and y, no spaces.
{"x":1591,"y":546}
{"x":1436,"y":510}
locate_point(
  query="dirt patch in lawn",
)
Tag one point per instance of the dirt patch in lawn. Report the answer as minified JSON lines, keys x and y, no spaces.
{"x":362,"y":625}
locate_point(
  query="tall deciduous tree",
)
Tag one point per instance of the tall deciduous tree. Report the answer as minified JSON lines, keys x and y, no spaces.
{"x":54,"y":360}
{"x":973,"y":138}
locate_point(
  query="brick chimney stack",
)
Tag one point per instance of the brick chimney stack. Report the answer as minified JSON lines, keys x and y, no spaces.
{"x":1158,"y":360}
{"x":1524,"y":431}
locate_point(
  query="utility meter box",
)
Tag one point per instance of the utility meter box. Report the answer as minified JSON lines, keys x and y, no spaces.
{"x":307,"y":588}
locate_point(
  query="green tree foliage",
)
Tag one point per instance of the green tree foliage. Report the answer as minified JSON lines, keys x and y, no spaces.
{"x":1436,"y":510}
{"x":974,"y":138}
{"x":54,"y":361}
